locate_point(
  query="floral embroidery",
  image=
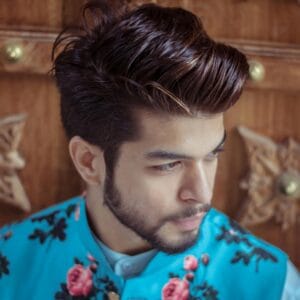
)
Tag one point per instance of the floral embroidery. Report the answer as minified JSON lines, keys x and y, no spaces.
{"x":77,"y":213}
{"x":208,"y":292}
{"x":205,"y":259}
{"x":3,"y":265}
{"x":6,"y":236}
{"x":181,"y":287}
{"x":176,"y":289}
{"x":257,"y":252}
{"x":57,"y":226}
{"x":190,"y":263}
{"x":79,"y":281}
{"x":82,"y":283}
{"x":236,"y":234}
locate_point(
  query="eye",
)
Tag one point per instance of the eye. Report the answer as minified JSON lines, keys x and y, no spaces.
{"x":167,"y":167}
{"x":214,"y":155}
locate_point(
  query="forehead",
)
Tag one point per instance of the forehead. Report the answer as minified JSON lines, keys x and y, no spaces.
{"x":194,"y":136}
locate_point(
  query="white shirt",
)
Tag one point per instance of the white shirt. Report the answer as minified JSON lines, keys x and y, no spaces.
{"x":291,"y":289}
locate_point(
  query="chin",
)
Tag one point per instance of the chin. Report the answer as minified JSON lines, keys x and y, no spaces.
{"x":178,"y":246}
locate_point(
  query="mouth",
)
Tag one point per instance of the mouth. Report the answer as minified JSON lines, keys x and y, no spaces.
{"x":190,"y":223}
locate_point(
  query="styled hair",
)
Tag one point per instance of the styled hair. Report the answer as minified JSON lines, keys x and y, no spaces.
{"x":150,"y":57}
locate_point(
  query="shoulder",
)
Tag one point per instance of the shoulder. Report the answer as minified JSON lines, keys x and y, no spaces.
{"x":242,"y":251}
{"x":247,"y":260}
{"x":41,"y":241}
{"x":231,"y":232}
{"x":39,"y":226}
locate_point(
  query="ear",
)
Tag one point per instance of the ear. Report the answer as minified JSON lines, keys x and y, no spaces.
{"x":88,"y":160}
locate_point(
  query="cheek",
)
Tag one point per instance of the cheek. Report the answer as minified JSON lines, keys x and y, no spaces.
{"x":144,"y":190}
{"x":213,"y":171}
{"x":155,"y":195}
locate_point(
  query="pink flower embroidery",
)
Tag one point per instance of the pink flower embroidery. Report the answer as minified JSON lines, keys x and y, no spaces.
{"x":77,"y":213}
{"x":175,"y":289}
{"x":79,"y":281}
{"x":189,"y":276}
{"x":190,"y":263}
{"x":93,"y":267}
{"x":91,"y":258}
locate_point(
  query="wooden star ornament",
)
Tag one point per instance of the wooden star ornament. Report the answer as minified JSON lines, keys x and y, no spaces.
{"x":272,"y":182}
{"x":11,"y":189}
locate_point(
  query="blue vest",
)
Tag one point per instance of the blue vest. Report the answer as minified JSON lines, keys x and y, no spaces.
{"x":53,"y":255}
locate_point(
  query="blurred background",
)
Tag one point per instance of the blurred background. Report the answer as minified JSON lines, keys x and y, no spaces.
{"x":258,"y":182}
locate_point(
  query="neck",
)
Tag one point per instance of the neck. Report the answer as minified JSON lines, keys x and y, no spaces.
{"x":109,"y":229}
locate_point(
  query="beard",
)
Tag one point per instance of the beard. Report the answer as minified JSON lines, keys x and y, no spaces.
{"x":134,"y":219}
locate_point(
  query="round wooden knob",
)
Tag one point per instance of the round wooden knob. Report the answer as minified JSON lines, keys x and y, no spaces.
{"x":289,"y":185}
{"x":13,"y":52}
{"x":256,"y":70}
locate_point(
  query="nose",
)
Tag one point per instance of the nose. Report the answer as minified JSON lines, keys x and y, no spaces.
{"x":197,"y":184}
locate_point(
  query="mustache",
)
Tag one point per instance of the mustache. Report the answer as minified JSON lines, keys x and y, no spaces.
{"x":190,"y":212}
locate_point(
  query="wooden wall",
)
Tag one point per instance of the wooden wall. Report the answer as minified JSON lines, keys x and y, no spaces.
{"x":25,"y":86}
{"x":267,"y":31}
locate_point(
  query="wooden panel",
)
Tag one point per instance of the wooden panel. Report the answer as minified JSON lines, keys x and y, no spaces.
{"x":279,"y":75}
{"x":46,"y":15}
{"x":267,"y":20}
{"x":72,"y":12}
{"x":281,"y":63}
{"x":278,"y":18}
{"x":25,"y":14}
{"x":36,"y":49}
{"x":49,"y":175}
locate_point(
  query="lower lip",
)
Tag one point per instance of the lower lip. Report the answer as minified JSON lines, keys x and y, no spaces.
{"x":189,"y":224}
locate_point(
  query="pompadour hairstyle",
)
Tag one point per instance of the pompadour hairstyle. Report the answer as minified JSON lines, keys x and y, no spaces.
{"x":149,"y":57}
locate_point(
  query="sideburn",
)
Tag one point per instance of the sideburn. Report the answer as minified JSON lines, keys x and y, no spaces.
{"x":111,"y":155}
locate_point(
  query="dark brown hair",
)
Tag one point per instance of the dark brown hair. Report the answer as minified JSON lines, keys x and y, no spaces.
{"x":153,"y":57}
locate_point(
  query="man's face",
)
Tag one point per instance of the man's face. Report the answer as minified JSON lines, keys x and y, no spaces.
{"x":163,"y":183}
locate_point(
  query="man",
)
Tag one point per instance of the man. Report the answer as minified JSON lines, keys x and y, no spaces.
{"x":142,"y":99}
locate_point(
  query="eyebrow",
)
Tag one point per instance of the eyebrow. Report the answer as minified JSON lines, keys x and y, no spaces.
{"x":161,"y":154}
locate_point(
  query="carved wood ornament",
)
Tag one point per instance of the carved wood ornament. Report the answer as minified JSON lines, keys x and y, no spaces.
{"x":11,"y":189}
{"x":273,"y":180}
